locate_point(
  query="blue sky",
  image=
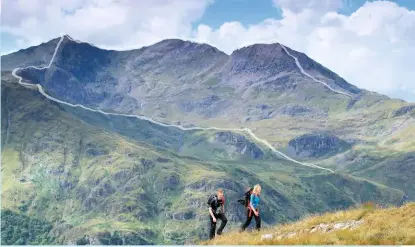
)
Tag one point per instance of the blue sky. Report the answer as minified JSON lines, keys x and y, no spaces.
{"x":8,"y":42}
{"x":245,"y":11}
{"x":253,"y":11}
{"x":371,"y":44}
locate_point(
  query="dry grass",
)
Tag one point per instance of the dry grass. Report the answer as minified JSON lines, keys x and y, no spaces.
{"x":390,"y":226}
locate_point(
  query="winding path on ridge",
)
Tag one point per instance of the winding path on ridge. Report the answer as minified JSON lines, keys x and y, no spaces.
{"x":310,"y":76}
{"x":246,"y":130}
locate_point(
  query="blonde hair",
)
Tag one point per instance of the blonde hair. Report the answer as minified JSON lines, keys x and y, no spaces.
{"x":220,"y":191}
{"x":256,"y":188}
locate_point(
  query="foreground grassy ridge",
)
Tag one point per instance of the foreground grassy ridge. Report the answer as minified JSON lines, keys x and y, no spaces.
{"x":380,"y":227}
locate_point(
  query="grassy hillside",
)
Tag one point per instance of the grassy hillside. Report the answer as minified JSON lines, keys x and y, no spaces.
{"x":95,"y":183}
{"x":258,"y":86}
{"x":366,"y":225}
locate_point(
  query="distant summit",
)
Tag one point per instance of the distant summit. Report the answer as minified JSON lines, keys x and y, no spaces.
{"x":171,"y":68}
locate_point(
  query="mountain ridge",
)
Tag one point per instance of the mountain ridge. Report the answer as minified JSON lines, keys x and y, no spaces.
{"x":103,"y":59}
{"x":302,"y":55}
{"x":251,"y":48}
{"x":256,"y":50}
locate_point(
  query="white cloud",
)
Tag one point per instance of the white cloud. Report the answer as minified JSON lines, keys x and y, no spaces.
{"x":373,"y":48}
{"x":106,"y":23}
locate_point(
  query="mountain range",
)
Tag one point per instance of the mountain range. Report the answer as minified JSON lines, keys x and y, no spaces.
{"x":127,"y":145}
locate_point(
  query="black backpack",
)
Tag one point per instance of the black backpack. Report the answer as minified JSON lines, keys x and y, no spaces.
{"x":210,"y":200}
{"x":246,"y":198}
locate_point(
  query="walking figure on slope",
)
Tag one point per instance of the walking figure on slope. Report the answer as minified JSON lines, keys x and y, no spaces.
{"x":217,"y":211}
{"x":253,"y":209}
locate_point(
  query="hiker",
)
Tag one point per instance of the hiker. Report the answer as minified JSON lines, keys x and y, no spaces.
{"x":217,"y":211}
{"x":253,"y":209}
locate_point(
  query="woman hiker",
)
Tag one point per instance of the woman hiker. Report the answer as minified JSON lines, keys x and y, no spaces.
{"x":253,"y":210}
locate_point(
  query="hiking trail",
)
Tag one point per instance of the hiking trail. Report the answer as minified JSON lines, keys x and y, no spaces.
{"x":310,"y":76}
